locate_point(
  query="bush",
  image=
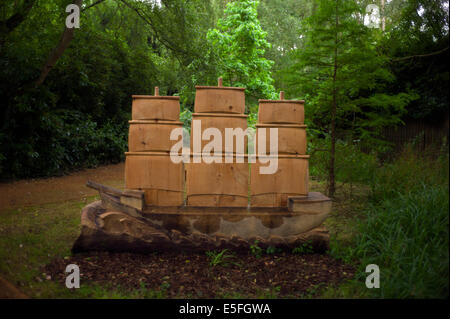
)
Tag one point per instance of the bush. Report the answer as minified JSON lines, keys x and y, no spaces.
{"x":60,"y":142}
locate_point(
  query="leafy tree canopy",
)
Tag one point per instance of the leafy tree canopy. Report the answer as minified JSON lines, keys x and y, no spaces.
{"x":240,"y":44}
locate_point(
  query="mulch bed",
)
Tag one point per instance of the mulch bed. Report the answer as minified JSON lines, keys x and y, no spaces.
{"x":192,"y":276}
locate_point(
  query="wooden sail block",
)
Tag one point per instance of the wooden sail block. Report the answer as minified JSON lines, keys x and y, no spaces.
{"x":281,"y":111}
{"x":220,"y":121}
{"x":273,"y":190}
{"x":291,"y":138}
{"x":157,"y":176}
{"x":151,"y":135}
{"x":211,"y":99}
{"x":147,"y":107}
{"x":217,"y":184}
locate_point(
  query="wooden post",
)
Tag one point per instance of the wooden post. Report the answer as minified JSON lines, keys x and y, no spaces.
{"x":129,"y":201}
{"x":281,"y":95}
{"x":156,"y":91}
{"x":220,"y":82}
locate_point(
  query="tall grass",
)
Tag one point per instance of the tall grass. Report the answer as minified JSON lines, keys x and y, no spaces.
{"x":406,"y":228}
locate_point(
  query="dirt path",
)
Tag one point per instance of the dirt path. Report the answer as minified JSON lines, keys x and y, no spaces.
{"x":57,"y":189}
{"x":8,"y":291}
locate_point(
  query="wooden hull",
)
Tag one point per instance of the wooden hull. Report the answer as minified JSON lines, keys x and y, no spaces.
{"x":193,"y":228}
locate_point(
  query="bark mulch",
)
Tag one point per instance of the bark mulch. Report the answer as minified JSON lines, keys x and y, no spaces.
{"x":192,"y":276}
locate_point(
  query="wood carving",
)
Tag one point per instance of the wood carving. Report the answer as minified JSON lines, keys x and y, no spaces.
{"x":208,"y":205}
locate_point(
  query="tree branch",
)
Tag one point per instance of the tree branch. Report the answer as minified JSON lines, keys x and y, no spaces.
{"x":147,"y":19}
{"x":90,"y":6}
{"x":420,"y":55}
{"x":57,"y":52}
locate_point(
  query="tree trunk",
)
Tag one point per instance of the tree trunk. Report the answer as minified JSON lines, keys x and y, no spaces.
{"x":331,"y":169}
{"x":58,"y":51}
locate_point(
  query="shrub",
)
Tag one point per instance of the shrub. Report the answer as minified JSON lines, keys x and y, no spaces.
{"x":63,"y":141}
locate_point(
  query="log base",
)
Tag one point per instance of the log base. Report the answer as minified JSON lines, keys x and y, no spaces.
{"x":197,"y":229}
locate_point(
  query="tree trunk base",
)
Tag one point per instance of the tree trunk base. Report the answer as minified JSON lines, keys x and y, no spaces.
{"x":105,"y":230}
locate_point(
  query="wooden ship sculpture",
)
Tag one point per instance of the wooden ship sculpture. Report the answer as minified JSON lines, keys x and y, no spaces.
{"x":198,"y":205}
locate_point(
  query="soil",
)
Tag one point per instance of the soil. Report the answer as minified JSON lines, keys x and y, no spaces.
{"x":191,"y":275}
{"x":58,"y":189}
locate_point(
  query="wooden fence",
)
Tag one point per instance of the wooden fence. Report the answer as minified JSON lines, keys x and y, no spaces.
{"x":422,"y":134}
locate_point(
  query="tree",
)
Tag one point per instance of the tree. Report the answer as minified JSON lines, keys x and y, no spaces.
{"x":240,"y":43}
{"x":281,"y":19}
{"x":78,"y":116}
{"x":343,"y":77}
{"x":58,"y":51}
{"x":418,"y":43}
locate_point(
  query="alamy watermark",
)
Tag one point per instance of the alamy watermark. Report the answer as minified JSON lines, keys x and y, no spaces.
{"x":213,"y":151}
{"x":73,"y":19}
{"x":73,"y":279}
{"x":373,"y":279}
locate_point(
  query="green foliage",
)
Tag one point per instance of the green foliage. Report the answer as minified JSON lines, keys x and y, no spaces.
{"x":417,"y":39}
{"x":256,"y":250}
{"x":282,"y":19}
{"x":339,"y":57}
{"x":221,"y":258}
{"x":78,"y":117}
{"x":252,"y":119}
{"x":352,"y":165}
{"x":128,"y":47}
{"x":305,"y":248}
{"x":186,"y":118}
{"x":405,"y":230}
{"x":65,"y":140}
{"x":240,"y":43}
{"x":271,"y":250}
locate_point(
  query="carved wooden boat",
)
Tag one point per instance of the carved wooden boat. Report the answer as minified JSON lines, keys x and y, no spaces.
{"x":117,"y":224}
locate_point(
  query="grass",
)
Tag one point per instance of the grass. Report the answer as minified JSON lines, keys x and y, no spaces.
{"x":407,"y":236}
{"x":31,"y":237}
{"x":404,"y":229}
{"x":222,"y":258}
